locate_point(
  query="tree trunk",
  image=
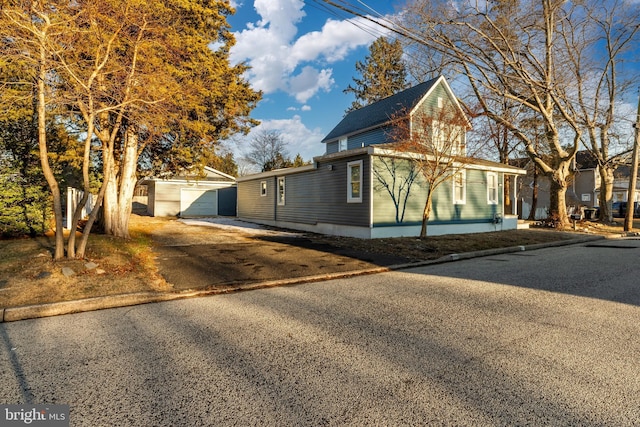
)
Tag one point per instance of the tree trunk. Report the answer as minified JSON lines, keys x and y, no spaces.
{"x":558,"y":202}
{"x":44,"y":155}
{"x":605,"y":196}
{"x":119,"y":196}
{"x":534,"y":195}
{"x":425,"y":215}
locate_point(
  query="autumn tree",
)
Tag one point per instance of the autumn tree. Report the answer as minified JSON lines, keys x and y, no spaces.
{"x":382,"y":74}
{"x":28,"y":30}
{"x":177,"y":92}
{"x":224,"y":162}
{"x":132,"y":75}
{"x":299,"y":161}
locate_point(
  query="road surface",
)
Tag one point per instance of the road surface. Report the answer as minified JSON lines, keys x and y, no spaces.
{"x":549,"y":337}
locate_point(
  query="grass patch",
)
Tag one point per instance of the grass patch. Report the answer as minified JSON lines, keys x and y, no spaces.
{"x":28,"y":275}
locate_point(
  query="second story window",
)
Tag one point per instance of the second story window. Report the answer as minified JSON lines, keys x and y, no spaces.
{"x":342,"y":144}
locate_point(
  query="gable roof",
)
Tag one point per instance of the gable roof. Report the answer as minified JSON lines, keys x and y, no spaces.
{"x":383,"y":111}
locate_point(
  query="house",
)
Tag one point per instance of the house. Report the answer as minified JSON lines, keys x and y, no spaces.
{"x":583,"y":191}
{"x":189,"y":195}
{"x":363,"y":187}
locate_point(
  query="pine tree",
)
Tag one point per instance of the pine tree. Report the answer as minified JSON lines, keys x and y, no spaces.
{"x":383,"y":73}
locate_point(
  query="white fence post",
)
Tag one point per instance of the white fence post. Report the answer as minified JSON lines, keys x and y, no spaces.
{"x":73,"y":198}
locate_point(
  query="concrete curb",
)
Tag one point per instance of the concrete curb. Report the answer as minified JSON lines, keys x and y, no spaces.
{"x":13,"y":314}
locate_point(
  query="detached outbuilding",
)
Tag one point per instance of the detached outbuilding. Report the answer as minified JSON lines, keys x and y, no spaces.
{"x":191,"y":196}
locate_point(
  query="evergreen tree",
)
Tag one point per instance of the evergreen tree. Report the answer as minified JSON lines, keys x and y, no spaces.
{"x":383,"y":73}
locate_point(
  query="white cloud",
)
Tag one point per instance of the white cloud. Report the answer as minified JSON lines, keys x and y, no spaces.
{"x":310,"y":81}
{"x":306,"y":108}
{"x":334,"y":42}
{"x":275,"y":55}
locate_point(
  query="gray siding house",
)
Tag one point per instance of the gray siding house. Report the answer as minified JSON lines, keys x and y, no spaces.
{"x":364,"y":188}
{"x":583,"y":192}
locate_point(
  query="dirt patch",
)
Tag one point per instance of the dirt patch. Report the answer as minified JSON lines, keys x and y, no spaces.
{"x":166,"y":255}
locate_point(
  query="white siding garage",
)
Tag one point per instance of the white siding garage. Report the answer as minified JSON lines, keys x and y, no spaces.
{"x":198,"y":202}
{"x":214,"y":194}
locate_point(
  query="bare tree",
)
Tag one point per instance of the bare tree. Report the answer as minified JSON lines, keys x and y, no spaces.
{"x":596,"y":43}
{"x":511,"y":50}
{"x":435,"y":142}
{"x":267,"y":151}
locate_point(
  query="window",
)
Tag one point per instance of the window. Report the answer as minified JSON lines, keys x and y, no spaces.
{"x":263,"y":188}
{"x":448,"y":139}
{"x":438,"y":132}
{"x":440,"y":102}
{"x":354,"y":182}
{"x":342,"y":144}
{"x":492,"y":188}
{"x":459,"y":188}
{"x":281,"y":191}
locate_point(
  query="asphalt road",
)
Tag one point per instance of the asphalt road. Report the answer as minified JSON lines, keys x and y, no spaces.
{"x":549,"y":337}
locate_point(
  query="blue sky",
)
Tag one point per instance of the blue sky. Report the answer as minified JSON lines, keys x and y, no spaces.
{"x":302,"y":57}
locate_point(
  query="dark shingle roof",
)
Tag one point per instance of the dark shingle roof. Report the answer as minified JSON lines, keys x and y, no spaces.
{"x":380,"y":112}
{"x":585,"y":160}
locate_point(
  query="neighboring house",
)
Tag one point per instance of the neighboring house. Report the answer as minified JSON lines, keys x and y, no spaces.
{"x":363,"y":188}
{"x":190,"y":196}
{"x":583,"y":192}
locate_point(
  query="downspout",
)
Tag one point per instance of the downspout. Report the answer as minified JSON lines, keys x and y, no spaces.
{"x":370,"y":159}
{"x":515,"y":195}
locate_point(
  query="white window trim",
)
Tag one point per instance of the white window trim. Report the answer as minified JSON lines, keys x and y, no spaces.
{"x":491,"y":201}
{"x":463,"y":199}
{"x":263,"y":188}
{"x":350,"y":198}
{"x":342,"y":144}
{"x":438,"y":135}
{"x":281,"y":184}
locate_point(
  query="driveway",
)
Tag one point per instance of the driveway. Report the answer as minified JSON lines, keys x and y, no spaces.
{"x":219,"y":253}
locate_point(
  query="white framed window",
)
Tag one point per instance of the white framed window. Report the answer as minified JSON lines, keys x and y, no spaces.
{"x":342,"y":144}
{"x":263,"y":188}
{"x":440,"y":102}
{"x":448,"y":139}
{"x":354,"y":182}
{"x":492,"y":188}
{"x":281,"y":191}
{"x":460,"y":188}
{"x":439,"y":134}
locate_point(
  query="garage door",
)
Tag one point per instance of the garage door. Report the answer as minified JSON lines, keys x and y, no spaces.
{"x":198,"y":202}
